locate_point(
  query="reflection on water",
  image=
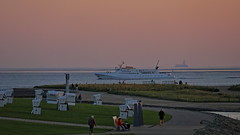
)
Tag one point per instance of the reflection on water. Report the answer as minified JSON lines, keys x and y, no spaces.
{"x":234,"y":115}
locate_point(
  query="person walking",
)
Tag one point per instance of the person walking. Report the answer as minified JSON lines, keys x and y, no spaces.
{"x":76,"y":86}
{"x":72,"y":87}
{"x":161,"y":117}
{"x":80,"y":98}
{"x":91,"y":123}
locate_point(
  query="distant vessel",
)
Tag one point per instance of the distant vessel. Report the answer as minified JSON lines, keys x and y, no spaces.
{"x":182,"y":65}
{"x":131,"y":73}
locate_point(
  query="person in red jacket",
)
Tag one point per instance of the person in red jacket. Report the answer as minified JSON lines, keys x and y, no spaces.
{"x":121,"y":124}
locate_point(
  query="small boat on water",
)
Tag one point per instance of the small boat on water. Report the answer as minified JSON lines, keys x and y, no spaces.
{"x":131,"y":73}
{"x":182,"y":65}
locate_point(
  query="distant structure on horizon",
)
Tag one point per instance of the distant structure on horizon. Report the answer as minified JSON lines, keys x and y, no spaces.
{"x":182,"y":65}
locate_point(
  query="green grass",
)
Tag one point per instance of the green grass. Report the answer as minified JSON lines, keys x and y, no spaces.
{"x":27,"y":128}
{"x":160,"y":91}
{"x":21,"y":108}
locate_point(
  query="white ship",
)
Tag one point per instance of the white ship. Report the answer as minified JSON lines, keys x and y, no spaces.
{"x":131,"y":73}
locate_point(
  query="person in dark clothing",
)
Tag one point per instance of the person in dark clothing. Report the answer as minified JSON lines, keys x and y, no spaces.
{"x":76,"y":86}
{"x":91,"y":123}
{"x":161,"y":117}
{"x":180,"y":82}
{"x":72,"y":86}
{"x":80,"y":98}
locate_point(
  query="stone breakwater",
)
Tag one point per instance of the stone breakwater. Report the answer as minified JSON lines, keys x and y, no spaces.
{"x":221,"y":125}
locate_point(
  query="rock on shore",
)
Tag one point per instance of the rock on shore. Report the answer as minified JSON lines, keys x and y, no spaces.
{"x":221,"y":125}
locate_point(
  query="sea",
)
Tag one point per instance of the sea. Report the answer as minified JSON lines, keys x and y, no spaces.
{"x":28,"y":78}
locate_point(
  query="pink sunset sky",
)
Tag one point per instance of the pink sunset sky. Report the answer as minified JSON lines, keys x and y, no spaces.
{"x":103,"y":33}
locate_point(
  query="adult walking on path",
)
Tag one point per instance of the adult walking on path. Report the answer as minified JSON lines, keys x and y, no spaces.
{"x":161,"y":116}
{"x":91,"y":123}
{"x":76,"y":86}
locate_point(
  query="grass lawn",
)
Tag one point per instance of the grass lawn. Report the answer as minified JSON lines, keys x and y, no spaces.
{"x":27,"y":128}
{"x":159,"y":91}
{"x":21,"y":108}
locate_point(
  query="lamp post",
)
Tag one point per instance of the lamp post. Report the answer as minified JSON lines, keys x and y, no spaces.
{"x":67,"y":82}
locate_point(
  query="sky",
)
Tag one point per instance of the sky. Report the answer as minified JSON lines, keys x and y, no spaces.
{"x":103,"y":33}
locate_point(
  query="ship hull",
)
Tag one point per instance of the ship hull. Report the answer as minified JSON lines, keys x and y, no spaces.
{"x":117,"y":76}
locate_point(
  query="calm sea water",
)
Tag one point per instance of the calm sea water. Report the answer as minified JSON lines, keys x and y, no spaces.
{"x":31,"y":78}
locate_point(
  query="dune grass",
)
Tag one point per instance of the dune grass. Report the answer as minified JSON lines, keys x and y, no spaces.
{"x":235,"y":88}
{"x":186,"y":93}
{"x":189,"y":95}
{"x":131,"y":87}
{"x":9,"y":127}
{"x":21,"y":108}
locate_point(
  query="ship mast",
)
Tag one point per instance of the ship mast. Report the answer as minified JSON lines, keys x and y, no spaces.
{"x":120,"y":65}
{"x":156,"y":67}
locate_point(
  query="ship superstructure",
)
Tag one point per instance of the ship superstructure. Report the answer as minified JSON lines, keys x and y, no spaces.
{"x":131,"y":73}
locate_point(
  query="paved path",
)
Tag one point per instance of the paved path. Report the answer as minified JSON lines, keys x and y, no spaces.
{"x":119,"y":99}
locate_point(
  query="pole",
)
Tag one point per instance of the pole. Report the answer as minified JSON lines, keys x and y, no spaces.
{"x":67,"y":82}
{"x":136,"y":117}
